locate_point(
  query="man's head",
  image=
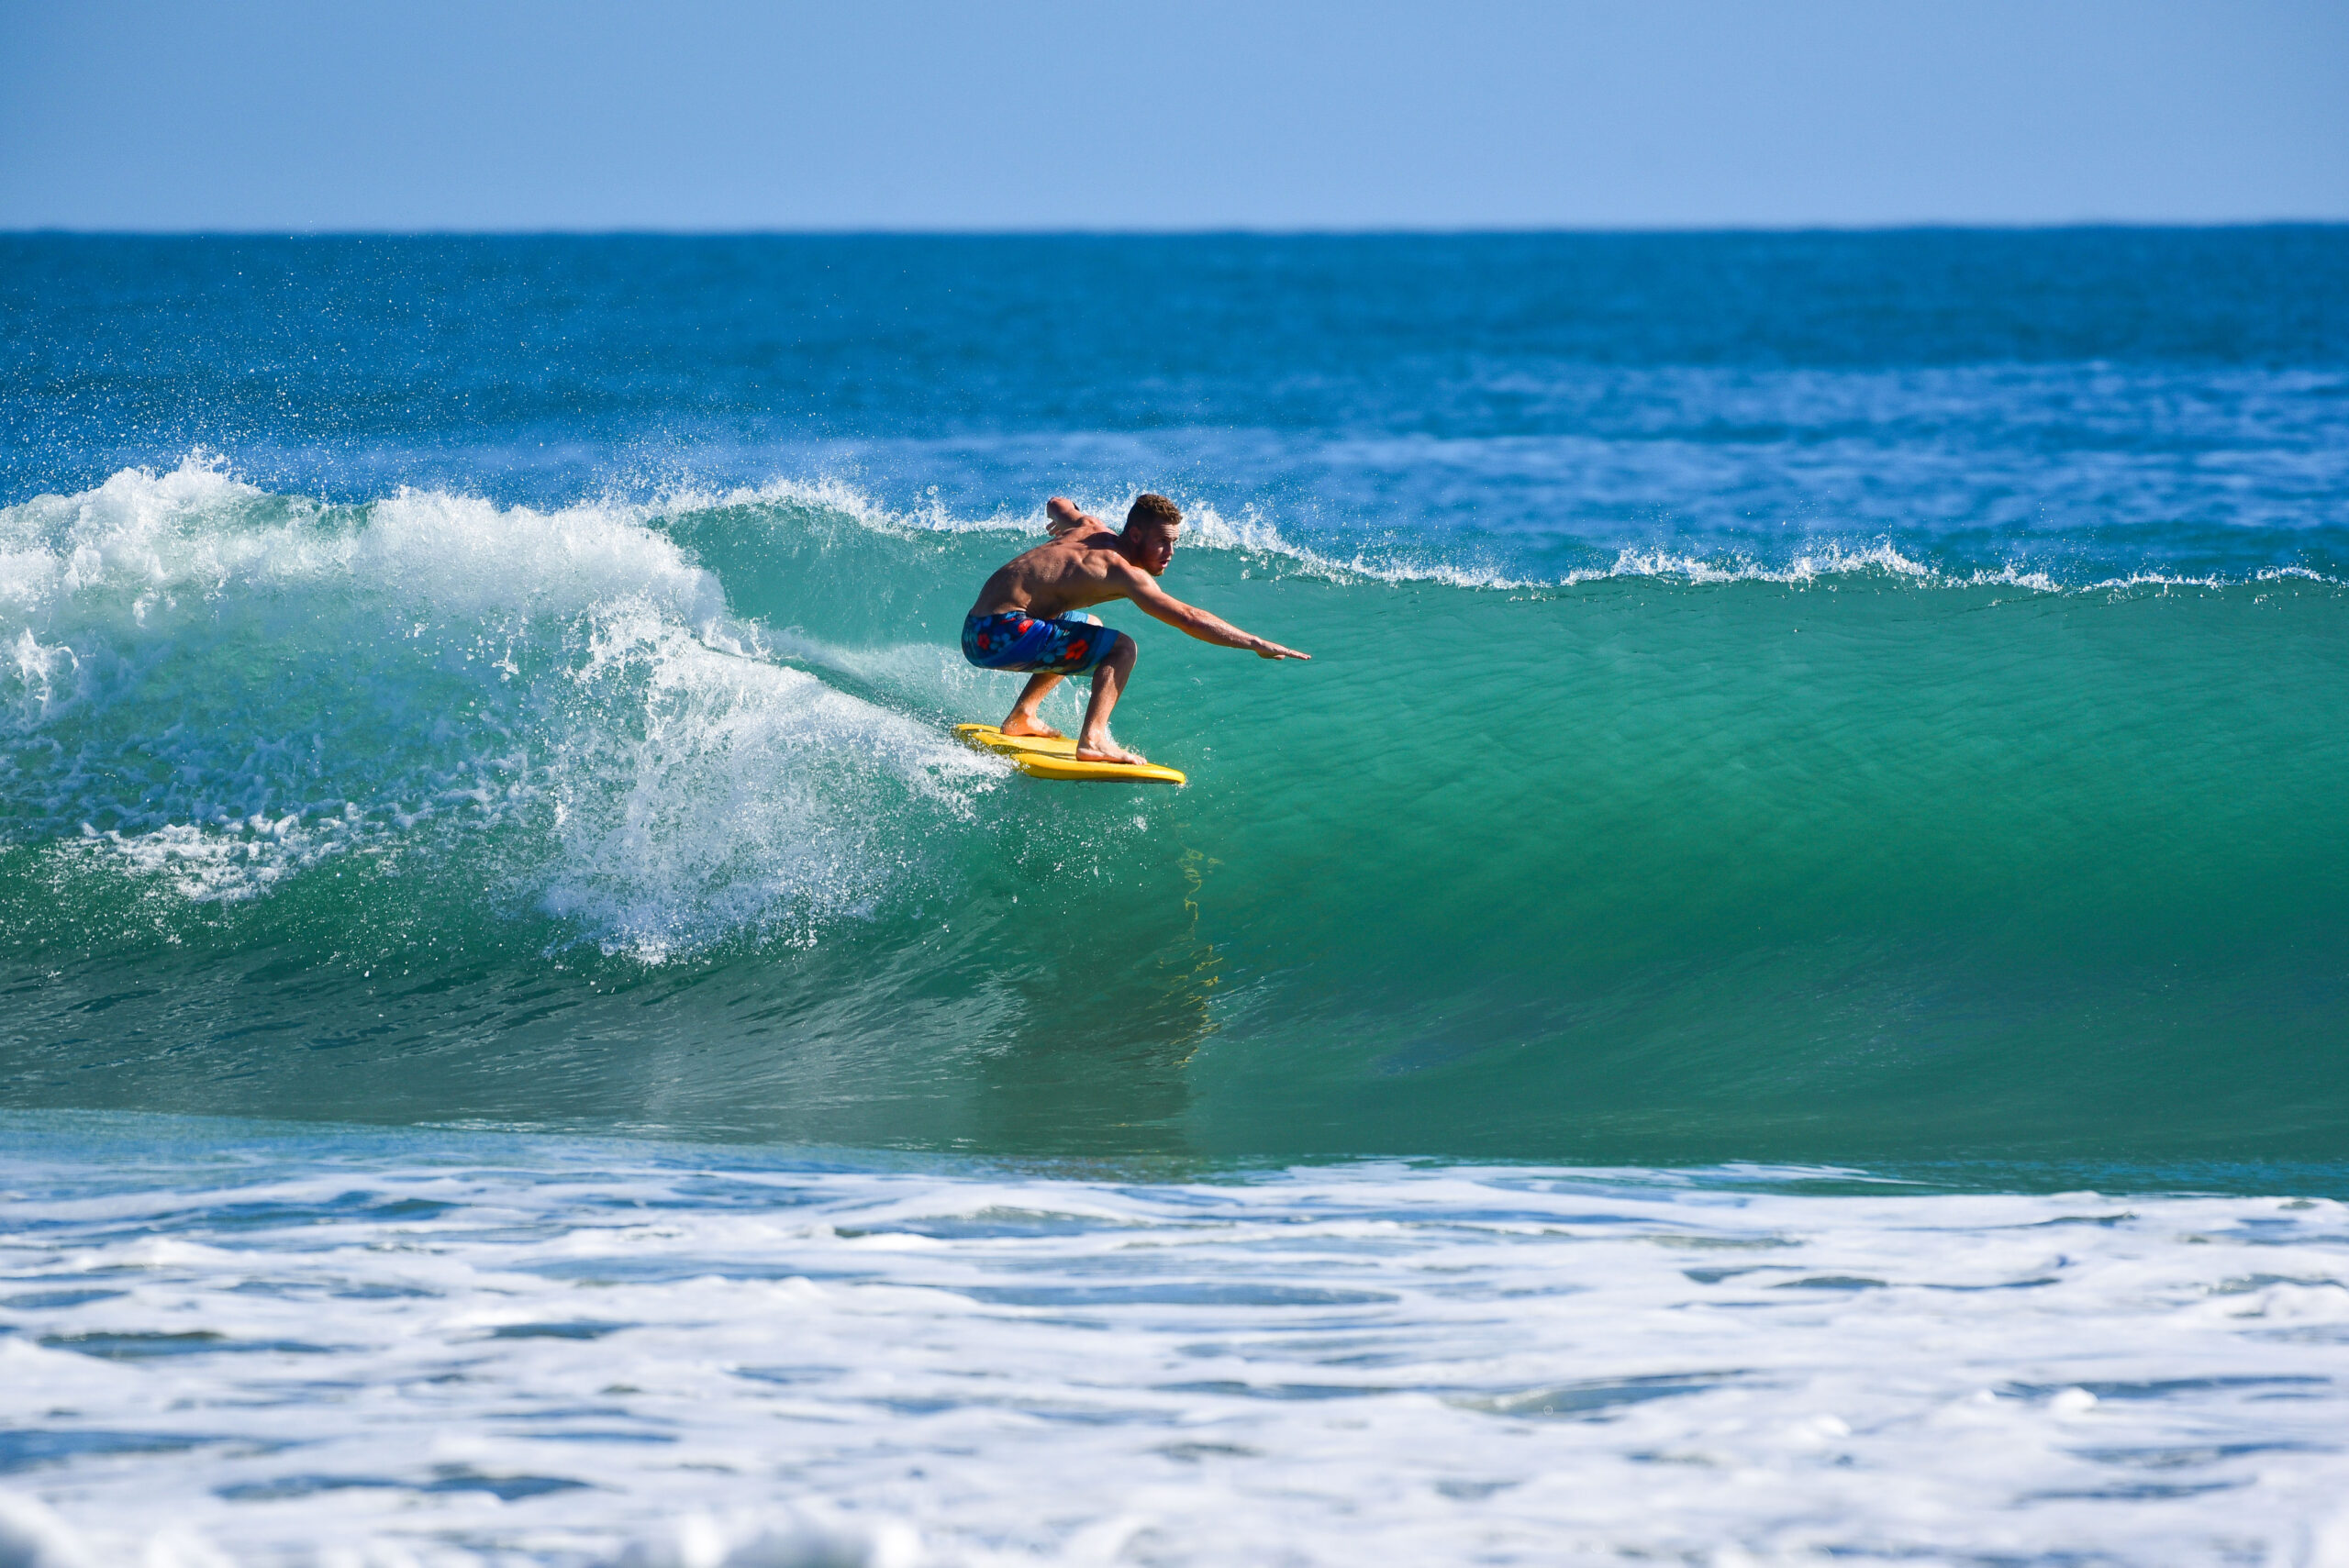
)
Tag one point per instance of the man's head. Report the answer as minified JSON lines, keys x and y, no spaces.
{"x":1153,"y":525}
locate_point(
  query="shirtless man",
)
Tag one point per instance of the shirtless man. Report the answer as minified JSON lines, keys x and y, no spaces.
{"x":1024,"y":618}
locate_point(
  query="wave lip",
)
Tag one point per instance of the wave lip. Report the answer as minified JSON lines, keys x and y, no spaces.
{"x":1251,"y":532}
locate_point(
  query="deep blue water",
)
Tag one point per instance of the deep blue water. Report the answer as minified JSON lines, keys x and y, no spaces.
{"x":2104,"y":397}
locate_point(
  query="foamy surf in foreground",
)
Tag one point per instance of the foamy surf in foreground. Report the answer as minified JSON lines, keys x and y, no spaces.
{"x":272,"y":1345}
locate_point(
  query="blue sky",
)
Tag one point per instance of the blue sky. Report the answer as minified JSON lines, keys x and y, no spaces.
{"x":910,"y":114}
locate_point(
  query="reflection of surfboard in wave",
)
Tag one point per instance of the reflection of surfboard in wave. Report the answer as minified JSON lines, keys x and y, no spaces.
{"x":1057,"y":759}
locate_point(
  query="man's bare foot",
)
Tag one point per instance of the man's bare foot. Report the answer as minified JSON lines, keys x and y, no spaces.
{"x":1034,"y":728}
{"x":1107,"y":751}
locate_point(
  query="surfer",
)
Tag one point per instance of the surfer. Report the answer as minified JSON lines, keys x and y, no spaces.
{"x":1025,"y":618}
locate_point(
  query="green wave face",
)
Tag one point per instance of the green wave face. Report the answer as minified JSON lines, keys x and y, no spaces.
{"x":646,"y":819}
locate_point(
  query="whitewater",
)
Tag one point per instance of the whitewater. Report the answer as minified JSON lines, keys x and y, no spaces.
{"x":1773,"y":993}
{"x":483,"y":1348}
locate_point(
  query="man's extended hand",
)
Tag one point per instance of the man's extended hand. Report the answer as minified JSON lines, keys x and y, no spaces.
{"x":1275,"y":650}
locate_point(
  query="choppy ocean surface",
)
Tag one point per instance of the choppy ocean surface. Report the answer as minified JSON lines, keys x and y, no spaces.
{"x":1777,"y":991}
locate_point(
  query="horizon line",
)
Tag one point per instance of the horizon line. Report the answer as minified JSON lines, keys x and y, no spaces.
{"x":1201,"y":232}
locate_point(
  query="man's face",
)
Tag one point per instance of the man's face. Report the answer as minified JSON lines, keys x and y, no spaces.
{"x":1153,"y":548}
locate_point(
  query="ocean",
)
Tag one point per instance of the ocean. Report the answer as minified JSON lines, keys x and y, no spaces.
{"x":1777,"y":991}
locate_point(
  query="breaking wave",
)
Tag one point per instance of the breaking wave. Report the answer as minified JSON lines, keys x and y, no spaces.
{"x":1650,"y":860}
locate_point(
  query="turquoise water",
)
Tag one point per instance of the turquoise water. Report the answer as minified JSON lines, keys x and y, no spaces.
{"x":523,"y":1040}
{"x":362,"y":810}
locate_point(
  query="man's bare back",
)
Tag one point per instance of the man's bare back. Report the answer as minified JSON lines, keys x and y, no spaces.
{"x":1080,"y":568}
{"x":1023,"y":617}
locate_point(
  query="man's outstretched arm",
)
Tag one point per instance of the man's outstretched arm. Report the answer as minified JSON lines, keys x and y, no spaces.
{"x":1160,"y":604}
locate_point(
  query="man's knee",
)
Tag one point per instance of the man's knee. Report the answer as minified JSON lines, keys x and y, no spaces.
{"x":1121,"y":658}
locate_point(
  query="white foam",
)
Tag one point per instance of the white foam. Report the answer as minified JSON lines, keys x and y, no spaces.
{"x":32,"y":1536}
{"x":218,"y":690}
{"x":205,"y":864}
{"x":745,"y":1363}
{"x":716,"y":809}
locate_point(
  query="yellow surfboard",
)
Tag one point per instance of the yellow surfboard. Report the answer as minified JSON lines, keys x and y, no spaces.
{"x":1057,"y":759}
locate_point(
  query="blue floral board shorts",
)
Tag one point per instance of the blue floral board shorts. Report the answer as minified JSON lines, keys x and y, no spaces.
{"x":1016,"y":640}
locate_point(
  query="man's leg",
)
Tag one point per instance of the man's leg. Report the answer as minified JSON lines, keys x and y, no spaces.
{"x":1093,"y":744}
{"x":1023,"y":720}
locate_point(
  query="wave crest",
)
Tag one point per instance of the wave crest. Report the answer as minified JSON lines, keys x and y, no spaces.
{"x":1250,"y":531}
{"x":214,"y":689}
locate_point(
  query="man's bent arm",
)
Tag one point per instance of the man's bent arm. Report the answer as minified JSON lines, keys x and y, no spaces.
{"x":1160,"y":604}
{"x":1062,"y":518}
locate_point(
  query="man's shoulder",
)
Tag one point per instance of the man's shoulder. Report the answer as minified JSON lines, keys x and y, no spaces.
{"x":1115,"y":568}
{"x":1079,"y":542}
{"x":1051,"y":554}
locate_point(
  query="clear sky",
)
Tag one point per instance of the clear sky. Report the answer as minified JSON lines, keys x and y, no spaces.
{"x":1257,"y":114}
